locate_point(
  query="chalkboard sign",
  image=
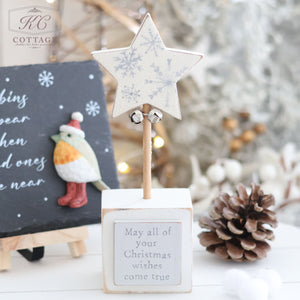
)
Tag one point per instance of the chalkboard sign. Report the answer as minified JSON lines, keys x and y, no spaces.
{"x":35,"y":101}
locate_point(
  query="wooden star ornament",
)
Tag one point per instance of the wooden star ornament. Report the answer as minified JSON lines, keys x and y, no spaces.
{"x":147,"y":71}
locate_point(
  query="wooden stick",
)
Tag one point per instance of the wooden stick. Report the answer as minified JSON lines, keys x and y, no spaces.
{"x":287,"y":202}
{"x":69,"y":33}
{"x":147,"y":154}
{"x":110,"y":10}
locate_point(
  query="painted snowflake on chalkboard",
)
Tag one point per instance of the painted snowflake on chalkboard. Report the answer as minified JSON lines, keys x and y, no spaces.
{"x":92,"y":108}
{"x":46,"y":79}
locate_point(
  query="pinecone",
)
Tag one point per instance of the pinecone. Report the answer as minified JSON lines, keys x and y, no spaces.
{"x":237,"y":225}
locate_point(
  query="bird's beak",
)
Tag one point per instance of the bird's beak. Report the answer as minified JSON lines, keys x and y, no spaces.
{"x":55,"y":138}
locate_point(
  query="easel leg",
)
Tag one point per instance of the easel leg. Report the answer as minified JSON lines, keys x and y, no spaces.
{"x":4,"y":260}
{"x":37,"y":253}
{"x":77,"y":248}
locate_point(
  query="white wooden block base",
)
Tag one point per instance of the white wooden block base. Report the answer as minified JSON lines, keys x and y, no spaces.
{"x":147,"y":244}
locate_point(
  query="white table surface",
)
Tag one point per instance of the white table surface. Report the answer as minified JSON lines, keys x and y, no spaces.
{"x":59,"y":276}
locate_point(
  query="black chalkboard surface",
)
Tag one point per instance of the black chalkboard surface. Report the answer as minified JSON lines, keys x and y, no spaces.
{"x":35,"y":101}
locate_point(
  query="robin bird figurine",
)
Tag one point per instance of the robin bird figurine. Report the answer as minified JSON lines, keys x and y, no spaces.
{"x":76,"y":163}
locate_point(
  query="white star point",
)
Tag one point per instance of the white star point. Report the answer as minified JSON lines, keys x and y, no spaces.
{"x":147,"y":71}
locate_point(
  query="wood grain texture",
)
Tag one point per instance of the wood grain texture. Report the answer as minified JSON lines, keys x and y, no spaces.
{"x":5,"y":260}
{"x":147,"y":154}
{"x":73,"y":236}
{"x":77,"y":248}
{"x":43,"y":238}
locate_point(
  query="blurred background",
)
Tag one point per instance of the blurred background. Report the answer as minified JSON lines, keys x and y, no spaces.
{"x":240,"y":106}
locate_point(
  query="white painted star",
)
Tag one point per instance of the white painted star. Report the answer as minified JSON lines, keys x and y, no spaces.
{"x":147,"y":71}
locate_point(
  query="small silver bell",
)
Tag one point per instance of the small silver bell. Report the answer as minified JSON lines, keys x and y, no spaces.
{"x":155,"y":116}
{"x":136,"y":117}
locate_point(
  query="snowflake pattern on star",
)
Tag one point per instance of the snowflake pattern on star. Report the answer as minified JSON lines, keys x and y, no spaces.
{"x":92,"y":108}
{"x":128,"y":62}
{"x":130,"y":93}
{"x":164,"y":80}
{"x":46,"y":79}
{"x":149,"y":68}
{"x":152,"y":43}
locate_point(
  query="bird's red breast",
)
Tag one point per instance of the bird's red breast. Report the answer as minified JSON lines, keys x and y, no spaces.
{"x":65,"y":153}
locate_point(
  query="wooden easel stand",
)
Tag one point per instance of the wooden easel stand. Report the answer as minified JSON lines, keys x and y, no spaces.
{"x":73,"y":236}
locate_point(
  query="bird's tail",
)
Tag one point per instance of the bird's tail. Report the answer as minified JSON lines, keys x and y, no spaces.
{"x":100,"y":185}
